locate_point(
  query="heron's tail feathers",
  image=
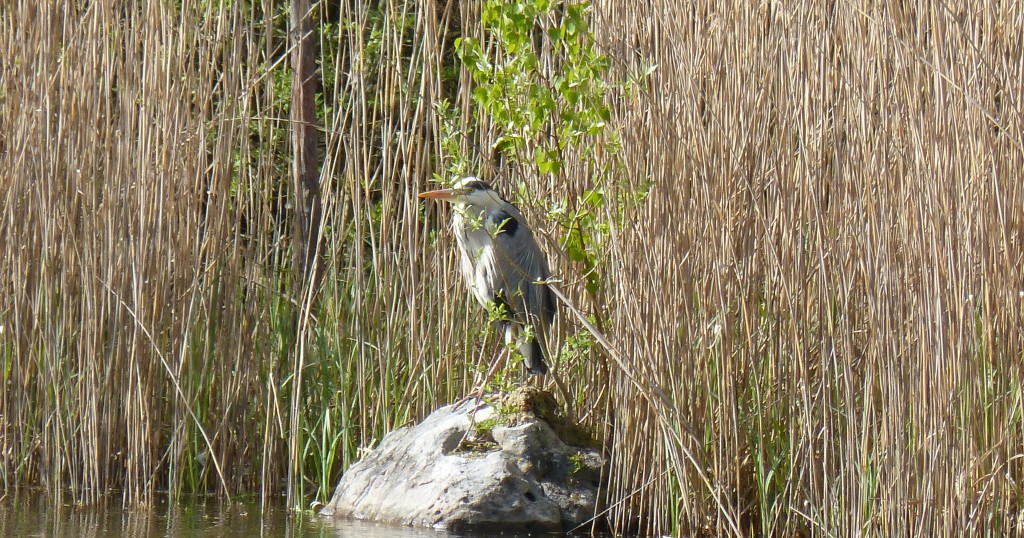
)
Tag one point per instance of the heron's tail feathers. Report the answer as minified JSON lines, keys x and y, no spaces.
{"x":533,"y":356}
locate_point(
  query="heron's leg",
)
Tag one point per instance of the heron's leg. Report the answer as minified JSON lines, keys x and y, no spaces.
{"x":510,"y":332}
{"x":477,"y":392}
{"x":492,"y":369}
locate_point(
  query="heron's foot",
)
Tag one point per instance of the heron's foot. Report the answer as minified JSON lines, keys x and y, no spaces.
{"x":471,"y":405}
{"x":476,"y":396}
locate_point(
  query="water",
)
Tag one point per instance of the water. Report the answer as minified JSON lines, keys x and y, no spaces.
{"x":34,"y":516}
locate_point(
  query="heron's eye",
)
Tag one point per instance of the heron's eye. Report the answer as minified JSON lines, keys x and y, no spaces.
{"x":464,"y":191}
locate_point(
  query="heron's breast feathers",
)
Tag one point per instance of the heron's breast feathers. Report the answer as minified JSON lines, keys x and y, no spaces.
{"x":501,"y":261}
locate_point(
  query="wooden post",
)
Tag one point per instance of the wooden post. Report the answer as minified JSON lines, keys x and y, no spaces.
{"x":307,"y":219}
{"x":305,"y":145}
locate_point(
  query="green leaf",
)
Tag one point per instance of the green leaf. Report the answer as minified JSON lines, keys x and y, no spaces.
{"x":593,"y":281}
{"x":556,"y":34}
{"x":576,"y":253}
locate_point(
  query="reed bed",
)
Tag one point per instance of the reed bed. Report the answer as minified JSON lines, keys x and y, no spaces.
{"x":808,"y":319}
{"x":827,"y":281}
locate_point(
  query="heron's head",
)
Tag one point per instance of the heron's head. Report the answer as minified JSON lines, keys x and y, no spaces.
{"x":469,"y":192}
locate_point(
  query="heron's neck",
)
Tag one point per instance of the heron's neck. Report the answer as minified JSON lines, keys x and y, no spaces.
{"x":469,"y":216}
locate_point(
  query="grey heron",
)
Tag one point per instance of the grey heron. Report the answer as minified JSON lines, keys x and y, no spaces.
{"x":503,"y":266}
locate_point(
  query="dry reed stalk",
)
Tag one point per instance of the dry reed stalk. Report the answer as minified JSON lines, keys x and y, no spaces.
{"x":146,"y":216}
{"x":841,"y":309}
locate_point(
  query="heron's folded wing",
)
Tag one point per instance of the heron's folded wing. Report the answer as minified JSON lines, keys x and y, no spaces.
{"x":518,"y":263}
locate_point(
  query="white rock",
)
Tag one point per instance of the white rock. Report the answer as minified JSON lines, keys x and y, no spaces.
{"x":533,"y":482}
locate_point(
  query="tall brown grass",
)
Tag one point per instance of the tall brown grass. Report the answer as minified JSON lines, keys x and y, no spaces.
{"x":827,"y":281}
{"x":812,"y":324}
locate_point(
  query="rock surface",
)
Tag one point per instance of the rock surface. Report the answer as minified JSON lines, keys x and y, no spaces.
{"x":527,"y":479}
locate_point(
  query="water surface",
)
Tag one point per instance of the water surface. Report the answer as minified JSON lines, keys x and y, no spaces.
{"x":36,"y":516}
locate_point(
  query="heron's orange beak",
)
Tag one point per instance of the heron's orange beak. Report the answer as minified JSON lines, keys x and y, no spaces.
{"x":440,"y":194}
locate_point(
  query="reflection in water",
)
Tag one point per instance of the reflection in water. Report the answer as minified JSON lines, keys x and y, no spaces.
{"x":38,"y":516}
{"x":32,"y":515}
{"x":346,"y":529}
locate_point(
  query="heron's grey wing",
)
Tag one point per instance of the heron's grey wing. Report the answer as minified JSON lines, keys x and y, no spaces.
{"x":518,"y":262}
